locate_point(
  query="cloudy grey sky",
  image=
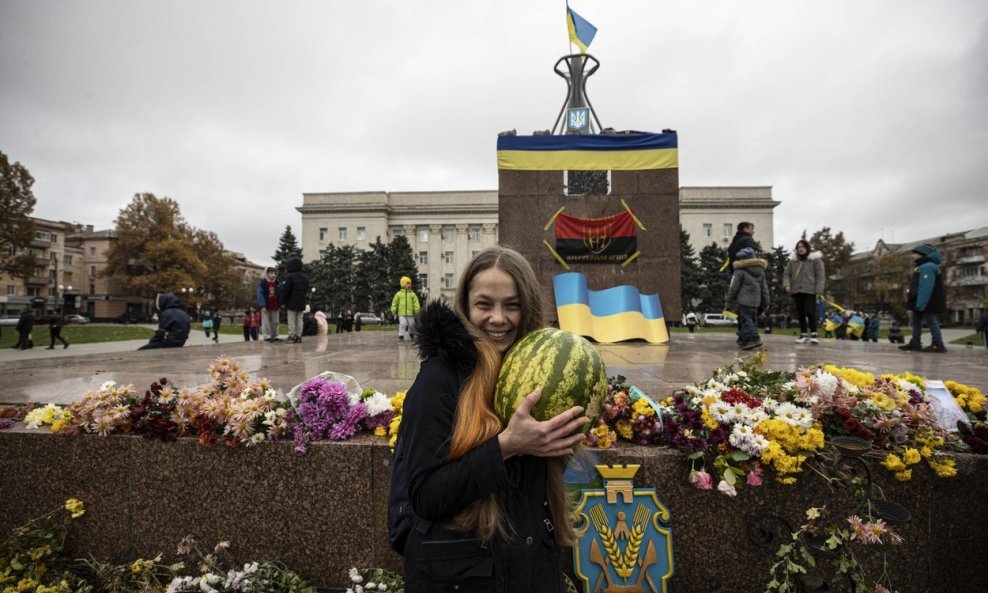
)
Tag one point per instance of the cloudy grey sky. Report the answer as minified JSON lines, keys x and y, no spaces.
{"x":868,"y":117}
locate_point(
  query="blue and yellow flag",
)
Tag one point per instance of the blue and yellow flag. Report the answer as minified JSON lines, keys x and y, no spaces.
{"x":610,"y":315}
{"x":581,"y":33}
{"x":635,"y":151}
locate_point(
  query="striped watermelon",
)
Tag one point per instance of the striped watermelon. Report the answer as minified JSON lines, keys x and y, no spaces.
{"x":567,"y":367}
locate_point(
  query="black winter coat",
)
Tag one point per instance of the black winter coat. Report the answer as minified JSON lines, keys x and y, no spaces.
{"x":294,"y":291}
{"x":438,"y":558}
{"x":739,"y":242}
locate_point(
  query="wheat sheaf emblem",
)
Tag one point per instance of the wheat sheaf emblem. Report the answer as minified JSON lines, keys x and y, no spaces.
{"x":623,"y":562}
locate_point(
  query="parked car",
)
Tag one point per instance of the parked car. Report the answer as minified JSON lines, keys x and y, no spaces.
{"x":76,"y":319}
{"x":368,"y":319}
{"x":717,"y":320}
{"x":9,"y":320}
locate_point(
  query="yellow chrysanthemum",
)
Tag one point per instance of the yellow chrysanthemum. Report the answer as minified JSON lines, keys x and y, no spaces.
{"x":624,"y":429}
{"x":642,"y":408}
{"x":883,"y":401}
{"x":605,"y":436}
{"x":943,"y":467}
{"x":853,"y":376}
{"x":379,"y":431}
{"x":904,"y":475}
{"x":75,"y":507}
{"x":911,"y":456}
{"x":708,"y":419}
{"x":893,"y":463}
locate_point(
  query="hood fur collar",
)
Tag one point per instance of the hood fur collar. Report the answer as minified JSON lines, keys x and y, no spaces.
{"x":812,"y":256}
{"x":439,"y":332}
{"x":752,"y":262}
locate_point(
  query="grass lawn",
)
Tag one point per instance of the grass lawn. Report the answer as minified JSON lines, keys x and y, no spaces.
{"x":973,"y":339}
{"x":81,"y":334}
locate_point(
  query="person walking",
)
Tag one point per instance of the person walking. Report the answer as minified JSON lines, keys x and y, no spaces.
{"x":25,"y":323}
{"x":294,"y":293}
{"x":805,"y":280}
{"x":691,"y":321}
{"x":217,"y":321}
{"x":749,"y":290}
{"x":268,"y":305}
{"x":55,"y":323}
{"x":207,"y":322}
{"x":405,"y":304}
{"x":927,"y":298}
{"x":982,"y":328}
{"x":483,"y":505}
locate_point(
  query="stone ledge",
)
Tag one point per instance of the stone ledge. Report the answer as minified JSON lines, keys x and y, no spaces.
{"x":324,"y":512}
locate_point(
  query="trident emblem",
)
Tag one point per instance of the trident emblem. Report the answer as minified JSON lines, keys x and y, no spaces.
{"x":597,"y":237}
{"x":625,"y":544}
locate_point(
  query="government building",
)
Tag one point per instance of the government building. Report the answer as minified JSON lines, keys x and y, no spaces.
{"x":446,"y":229}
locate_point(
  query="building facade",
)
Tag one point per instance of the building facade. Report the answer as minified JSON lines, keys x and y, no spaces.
{"x":69,"y":276}
{"x":446,"y":229}
{"x":711,"y":214}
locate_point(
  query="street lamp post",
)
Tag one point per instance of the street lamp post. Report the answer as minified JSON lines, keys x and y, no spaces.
{"x":62,"y":289}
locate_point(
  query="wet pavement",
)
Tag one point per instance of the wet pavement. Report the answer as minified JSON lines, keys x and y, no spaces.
{"x":379,"y":361}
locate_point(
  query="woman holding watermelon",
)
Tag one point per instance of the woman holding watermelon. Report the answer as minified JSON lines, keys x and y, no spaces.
{"x":488,"y":508}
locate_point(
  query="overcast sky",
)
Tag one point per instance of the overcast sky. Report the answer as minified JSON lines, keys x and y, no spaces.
{"x":870,"y":117}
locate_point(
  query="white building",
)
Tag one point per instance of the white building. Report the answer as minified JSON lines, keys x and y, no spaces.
{"x":711,"y":214}
{"x":446,"y":229}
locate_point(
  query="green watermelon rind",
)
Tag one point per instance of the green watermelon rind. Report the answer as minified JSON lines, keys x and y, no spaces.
{"x":530,"y":364}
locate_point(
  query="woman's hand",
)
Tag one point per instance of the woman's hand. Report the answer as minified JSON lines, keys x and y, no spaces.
{"x":555,"y":437}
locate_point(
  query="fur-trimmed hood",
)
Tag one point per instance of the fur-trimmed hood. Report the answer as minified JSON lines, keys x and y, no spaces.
{"x":813,"y":255}
{"x":754,"y":262}
{"x":439,"y":332}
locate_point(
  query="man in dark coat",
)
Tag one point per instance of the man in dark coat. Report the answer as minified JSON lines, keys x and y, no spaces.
{"x":24,"y":326}
{"x":742,"y":239}
{"x":294,"y":293}
{"x":55,"y":323}
{"x":173,"y":324}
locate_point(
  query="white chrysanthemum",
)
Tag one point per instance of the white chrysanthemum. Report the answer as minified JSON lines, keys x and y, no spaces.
{"x":826,"y":383}
{"x":769,"y":404}
{"x":794,"y":415}
{"x":753,"y":416}
{"x":761,"y":443}
{"x":743,"y":437}
{"x":378,"y":403}
{"x":722,"y":412}
{"x":256,"y":438}
{"x":108,"y":385}
{"x":742,"y":374}
{"x":270,"y":395}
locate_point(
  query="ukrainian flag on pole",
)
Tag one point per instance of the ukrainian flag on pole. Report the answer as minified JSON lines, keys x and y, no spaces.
{"x":581,"y":33}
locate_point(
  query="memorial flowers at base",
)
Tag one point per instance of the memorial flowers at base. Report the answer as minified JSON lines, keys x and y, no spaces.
{"x":232,"y":408}
{"x":746,"y":423}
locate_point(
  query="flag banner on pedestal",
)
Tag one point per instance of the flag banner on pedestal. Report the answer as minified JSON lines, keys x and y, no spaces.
{"x":609,"y":315}
{"x":588,"y":152}
{"x":611,"y":239}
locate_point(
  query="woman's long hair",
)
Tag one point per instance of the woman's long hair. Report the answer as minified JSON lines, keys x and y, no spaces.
{"x":476,"y":422}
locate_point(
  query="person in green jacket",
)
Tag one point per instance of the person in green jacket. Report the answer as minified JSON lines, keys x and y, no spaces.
{"x":405,"y":305}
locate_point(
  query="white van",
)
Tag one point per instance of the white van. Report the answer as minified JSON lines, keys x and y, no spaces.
{"x":717,"y":320}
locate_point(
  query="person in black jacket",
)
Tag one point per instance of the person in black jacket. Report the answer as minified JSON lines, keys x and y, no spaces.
{"x":488,"y":503}
{"x":173,"y":323}
{"x":55,"y":323}
{"x":743,"y":238}
{"x":293,"y":296}
{"x":24,"y":326}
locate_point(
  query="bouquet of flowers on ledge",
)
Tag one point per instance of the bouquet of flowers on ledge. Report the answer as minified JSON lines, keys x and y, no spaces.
{"x":746,"y":420}
{"x":232,"y":408}
{"x":332,"y":406}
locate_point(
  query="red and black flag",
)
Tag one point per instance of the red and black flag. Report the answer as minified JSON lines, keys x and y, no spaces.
{"x":611,"y":239}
